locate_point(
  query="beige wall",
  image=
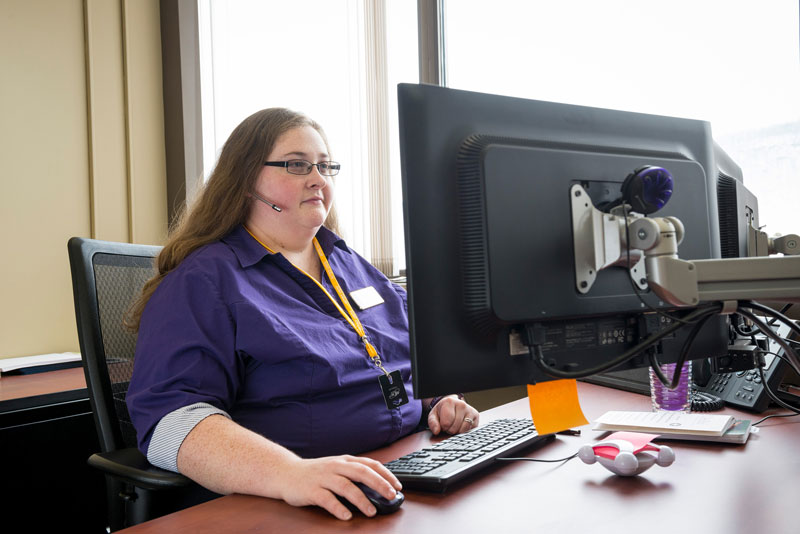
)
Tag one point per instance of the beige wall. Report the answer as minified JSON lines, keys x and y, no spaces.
{"x":81,"y":151}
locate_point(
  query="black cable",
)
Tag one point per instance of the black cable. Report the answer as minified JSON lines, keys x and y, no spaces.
{"x":706,"y":402}
{"x":684,"y":354}
{"x":537,"y":459}
{"x":766,"y":310}
{"x":773,"y":396}
{"x":696,"y":315}
{"x":775,"y":415}
{"x":781,"y":356}
{"x":790,"y":354}
{"x":783,"y":310}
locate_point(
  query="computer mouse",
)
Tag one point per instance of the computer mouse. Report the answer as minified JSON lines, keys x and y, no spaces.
{"x":381,"y":503}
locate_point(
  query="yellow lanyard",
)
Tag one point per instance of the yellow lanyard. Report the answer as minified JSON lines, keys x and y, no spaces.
{"x":350,"y":315}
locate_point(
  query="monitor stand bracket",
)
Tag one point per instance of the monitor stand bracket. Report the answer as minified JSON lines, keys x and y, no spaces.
{"x":600,"y":241}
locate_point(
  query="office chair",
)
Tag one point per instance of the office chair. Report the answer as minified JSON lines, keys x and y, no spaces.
{"x":106,"y":278}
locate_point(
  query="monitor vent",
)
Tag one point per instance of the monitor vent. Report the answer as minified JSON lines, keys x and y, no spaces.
{"x":728,"y":217}
{"x":472,"y":233}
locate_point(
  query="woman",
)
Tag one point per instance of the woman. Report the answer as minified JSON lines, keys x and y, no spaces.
{"x":253,"y":372}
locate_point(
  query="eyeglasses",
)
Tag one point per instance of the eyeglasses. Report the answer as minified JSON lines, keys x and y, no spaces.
{"x":301,"y":166}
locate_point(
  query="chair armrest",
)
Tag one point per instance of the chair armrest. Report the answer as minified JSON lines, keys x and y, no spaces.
{"x":131,"y":466}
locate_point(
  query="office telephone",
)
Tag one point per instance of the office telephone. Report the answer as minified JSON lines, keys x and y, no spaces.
{"x":734,"y":380}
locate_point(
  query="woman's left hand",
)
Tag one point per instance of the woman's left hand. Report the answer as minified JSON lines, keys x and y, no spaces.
{"x":452,"y":415}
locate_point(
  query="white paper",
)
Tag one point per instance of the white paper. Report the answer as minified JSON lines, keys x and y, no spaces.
{"x":676,"y":422}
{"x":11,"y":364}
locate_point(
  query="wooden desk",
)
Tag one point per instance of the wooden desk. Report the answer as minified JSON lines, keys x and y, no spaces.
{"x":47,"y":433}
{"x":40,"y":390}
{"x":50,"y":383}
{"x":711,"y":488}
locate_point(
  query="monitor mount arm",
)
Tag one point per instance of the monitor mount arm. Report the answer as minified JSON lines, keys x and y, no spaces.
{"x":648,"y":247}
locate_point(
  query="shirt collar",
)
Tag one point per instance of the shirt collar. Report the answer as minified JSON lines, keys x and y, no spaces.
{"x":249,"y":251}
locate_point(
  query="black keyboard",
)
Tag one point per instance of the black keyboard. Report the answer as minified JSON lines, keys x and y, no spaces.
{"x":460,"y":456}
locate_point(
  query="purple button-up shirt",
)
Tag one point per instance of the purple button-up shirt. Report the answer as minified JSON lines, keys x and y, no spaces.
{"x":243,"y":330}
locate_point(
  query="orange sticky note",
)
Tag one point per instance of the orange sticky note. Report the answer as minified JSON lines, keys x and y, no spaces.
{"x":555,"y":406}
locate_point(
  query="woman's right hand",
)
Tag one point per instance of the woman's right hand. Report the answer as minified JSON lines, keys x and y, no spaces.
{"x":225,"y":457}
{"x":317,"y":481}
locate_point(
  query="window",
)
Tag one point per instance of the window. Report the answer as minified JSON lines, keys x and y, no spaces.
{"x":731,"y":62}
{"x":336,"y":61}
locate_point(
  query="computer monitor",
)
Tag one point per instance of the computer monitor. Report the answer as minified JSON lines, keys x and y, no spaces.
{"x":489,"y":244}
{"x":737,"y":206}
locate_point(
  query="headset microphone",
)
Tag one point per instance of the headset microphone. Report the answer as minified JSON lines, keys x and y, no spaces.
{"x":265,"y":201}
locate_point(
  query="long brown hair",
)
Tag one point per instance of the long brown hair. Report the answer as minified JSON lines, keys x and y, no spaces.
{"x":223,"y":202}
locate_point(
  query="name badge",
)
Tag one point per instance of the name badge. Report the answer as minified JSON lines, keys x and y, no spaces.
{"x":394,"y":391}
{"x":366,"y":298}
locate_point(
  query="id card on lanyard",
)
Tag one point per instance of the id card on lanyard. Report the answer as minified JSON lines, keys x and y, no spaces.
{"x":391,"y":384}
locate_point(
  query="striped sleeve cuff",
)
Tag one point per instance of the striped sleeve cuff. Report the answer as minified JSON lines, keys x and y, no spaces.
{"x":172,"y":430}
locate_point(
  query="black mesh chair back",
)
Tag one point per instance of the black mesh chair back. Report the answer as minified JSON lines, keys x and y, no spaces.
{"x":106,"y":278}
{"x":119,"y":279}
